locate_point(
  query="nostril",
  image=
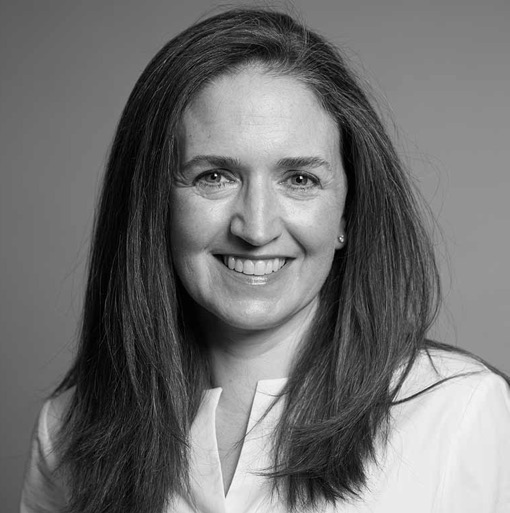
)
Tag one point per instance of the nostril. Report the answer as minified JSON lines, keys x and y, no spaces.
{"x":255,"y":232}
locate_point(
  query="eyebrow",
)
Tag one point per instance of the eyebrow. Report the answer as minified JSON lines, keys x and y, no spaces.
{"x":232,"y":163}
{"x":213,"y":160}
{"x":299,"y":162}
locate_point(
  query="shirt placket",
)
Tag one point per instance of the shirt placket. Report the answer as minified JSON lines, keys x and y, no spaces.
{"x":205,"y":471}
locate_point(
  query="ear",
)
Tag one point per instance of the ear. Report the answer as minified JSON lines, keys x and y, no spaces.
{"x":341,"y":237}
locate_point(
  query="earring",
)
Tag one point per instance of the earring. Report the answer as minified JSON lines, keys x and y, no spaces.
{"x":341,"y":238}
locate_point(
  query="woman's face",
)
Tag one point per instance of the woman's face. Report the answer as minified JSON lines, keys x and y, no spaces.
{"x":257,"y":204}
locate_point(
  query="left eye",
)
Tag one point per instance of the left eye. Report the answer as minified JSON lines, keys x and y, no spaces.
{"x":301,"y":180}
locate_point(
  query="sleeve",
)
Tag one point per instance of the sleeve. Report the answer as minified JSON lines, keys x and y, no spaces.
{"x":477,"y":478}
{"x":42,"y":490}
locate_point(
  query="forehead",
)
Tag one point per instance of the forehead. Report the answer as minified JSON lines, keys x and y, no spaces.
{"x":258,"y":107}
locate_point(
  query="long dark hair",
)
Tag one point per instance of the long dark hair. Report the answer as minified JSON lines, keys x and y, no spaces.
{"x":139,"y":373}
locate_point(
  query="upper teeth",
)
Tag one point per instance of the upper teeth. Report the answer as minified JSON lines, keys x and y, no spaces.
{"x":256,"y":267}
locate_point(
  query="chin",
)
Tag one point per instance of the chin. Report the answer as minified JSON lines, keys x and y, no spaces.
{"x":250,"y":319}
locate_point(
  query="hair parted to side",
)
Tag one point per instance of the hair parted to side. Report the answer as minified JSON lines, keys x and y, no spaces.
{"x":139,"y":372}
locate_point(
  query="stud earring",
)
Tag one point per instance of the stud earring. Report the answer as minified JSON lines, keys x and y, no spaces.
{"x":341,"y":239}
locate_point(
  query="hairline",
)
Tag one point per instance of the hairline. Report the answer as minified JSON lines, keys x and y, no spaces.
{"x":270,"y":68}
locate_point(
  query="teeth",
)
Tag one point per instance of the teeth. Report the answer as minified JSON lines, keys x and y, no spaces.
{"x":254,"y":267}
{"x":247,"y":267}
{"x":259,"y":268}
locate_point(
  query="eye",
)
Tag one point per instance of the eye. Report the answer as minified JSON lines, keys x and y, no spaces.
{"x":301,"y":181}
{"x":213,"y":179}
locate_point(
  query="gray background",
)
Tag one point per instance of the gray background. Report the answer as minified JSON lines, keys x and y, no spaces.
{"x":67,"y":68}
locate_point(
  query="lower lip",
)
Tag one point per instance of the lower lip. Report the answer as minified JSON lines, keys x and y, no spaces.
{"x":252,"y":279}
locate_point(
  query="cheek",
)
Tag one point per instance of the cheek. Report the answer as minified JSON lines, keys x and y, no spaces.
{"x":187,"y":234}
{"x":184,"y":228}
{"x":318,"y":227}
{"x":193,"y":225}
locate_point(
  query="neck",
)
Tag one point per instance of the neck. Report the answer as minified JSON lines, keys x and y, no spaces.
{"x":239,"y":358}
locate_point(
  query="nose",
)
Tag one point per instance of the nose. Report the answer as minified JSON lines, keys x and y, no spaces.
{"x":256,"y":217}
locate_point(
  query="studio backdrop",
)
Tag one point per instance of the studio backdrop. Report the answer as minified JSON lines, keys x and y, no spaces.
{"x":441,"y":70}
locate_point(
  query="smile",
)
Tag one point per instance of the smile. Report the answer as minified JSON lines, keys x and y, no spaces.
{"x":248,"y":266}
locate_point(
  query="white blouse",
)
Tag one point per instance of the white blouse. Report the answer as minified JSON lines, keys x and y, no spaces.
{"x":448,"y":451}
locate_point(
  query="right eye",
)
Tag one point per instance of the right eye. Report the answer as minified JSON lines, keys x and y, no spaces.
{"x":215,"y":182}
{"x":212,"y":179}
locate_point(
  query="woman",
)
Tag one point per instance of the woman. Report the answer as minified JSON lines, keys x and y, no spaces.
{"x":260,"y":290}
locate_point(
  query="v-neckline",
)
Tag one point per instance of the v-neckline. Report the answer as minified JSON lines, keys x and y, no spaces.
{"x":255,"y":456}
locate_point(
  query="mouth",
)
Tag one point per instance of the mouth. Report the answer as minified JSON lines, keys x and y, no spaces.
{"x":253,"y":267}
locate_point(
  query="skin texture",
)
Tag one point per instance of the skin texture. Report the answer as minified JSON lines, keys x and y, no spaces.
{"x":251,"y":203}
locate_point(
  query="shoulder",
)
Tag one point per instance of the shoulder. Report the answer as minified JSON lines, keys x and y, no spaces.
{"x":452,"y":403}
{"x":51,"y":418}
{"x":450,"y":434}
{"x":56,"y":409}
{"x":451,"y":394}
{"x":450,"y":372}
{"x":43,"y":487}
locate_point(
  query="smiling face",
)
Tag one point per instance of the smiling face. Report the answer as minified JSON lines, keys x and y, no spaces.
{"x":257,"y":204}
